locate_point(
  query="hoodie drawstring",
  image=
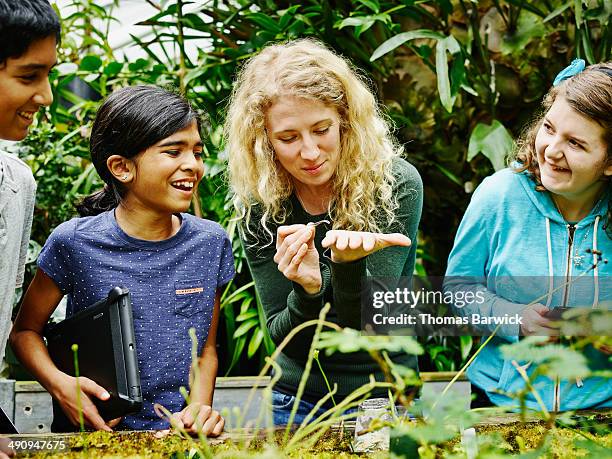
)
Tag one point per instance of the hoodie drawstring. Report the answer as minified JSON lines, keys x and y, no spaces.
{"x":595,"y":263}
{"x":551,"y":281}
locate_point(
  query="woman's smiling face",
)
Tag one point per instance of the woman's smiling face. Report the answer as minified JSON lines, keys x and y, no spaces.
{"x":305,"y":135}
{"x":572,"y":154}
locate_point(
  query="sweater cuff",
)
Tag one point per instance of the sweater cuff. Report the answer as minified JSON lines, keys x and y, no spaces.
{"x":305,"y":305}
{"x":348,"y":274}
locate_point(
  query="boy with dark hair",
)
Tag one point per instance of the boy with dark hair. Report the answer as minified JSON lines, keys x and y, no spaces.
{"x":29,"y":33}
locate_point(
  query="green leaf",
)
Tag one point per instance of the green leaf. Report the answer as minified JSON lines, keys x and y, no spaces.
{"x":557,"y":12}
{"x":357,"y":21}
{"x":553,"y":360}
{"x":349,"y":340}
{"x":451,"y":45}
{"x":398,"y":40}
{"x":371,"y":4}
{"x":578,"y":12}
{"x":247,"y":315}
{"x":264,"y":21}
{"x":529,"y":27}
{"x":245,"y":327}
{"x":586,"y":45}
{"x":465,"y":344}
{"x":138,"y":65}
{"x":113,"y":68}
{"x":255,"y":342}
{"x":449,"y":174}
{"x":493,"y":141}
{"x":90,"y":63}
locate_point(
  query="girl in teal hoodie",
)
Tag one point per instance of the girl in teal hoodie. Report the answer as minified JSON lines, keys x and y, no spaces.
{"x":549,"y":215}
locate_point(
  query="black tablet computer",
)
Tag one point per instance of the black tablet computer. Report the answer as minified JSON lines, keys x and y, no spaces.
{"x":6,"y":425}
{"x":104,"y":333}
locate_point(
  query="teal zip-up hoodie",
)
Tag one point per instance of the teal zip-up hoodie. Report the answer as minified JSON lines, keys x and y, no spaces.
{"x":513,"y":246}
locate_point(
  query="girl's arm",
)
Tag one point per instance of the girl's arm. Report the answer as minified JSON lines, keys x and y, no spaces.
{"x":199,"y":416}
{"x":41,"y":299}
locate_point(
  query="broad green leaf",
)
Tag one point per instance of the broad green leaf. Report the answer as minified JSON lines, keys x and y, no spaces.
{"x":529,"y":27}
{"x":138,"y":65}
{"x":493,"y":141}
{"x":90,"y":63}
{"x":451,"y":45}
{"x":398,"y":40}
{"x":357,"y":21}
{"x":264,"y":21}
{"x":349,"y":340}
{"x":113,"y":68}
{"x":554,"y":360}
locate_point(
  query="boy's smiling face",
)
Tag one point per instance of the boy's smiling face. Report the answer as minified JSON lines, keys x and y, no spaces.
{"x":24,"y":87}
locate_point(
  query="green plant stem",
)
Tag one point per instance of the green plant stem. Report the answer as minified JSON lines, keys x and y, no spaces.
{"x":75,"y":350}
{"x":180,"y":39}
{"x":462,"y":370}
{"x":316,"y":357}
{"x":279,"y":349}
{"x":307,"y":368}
{"x":535,"y":393}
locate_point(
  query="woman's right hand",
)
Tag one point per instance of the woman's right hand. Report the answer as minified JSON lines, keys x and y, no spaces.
{"x":535,"y":324}
{"x":66,"y":395}
{"x":297,"y":257}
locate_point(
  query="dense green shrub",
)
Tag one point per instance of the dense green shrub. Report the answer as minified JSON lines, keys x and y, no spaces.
{"x":459,"y":79}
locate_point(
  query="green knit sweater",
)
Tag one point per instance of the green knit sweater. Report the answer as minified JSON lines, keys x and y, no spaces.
{"x":287,"y":305}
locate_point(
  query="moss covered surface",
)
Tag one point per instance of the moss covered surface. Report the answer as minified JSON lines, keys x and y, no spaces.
{"x":145,"y":445}
{"x":510,"y":438}
{"x":555,"y":442}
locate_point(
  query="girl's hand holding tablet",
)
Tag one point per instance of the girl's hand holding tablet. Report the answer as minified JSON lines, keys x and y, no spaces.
{"x":347,"y":246}
{"x":66,"y":395}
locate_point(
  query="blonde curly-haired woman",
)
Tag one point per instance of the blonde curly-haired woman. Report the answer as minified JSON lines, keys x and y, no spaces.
{"x":325,"y":200}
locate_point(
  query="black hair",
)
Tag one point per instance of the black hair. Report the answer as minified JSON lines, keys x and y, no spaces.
{"x":128,"y":122}
{"x":23,"y":22}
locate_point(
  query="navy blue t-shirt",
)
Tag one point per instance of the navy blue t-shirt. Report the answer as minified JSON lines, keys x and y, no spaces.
{"x":172,"y":284}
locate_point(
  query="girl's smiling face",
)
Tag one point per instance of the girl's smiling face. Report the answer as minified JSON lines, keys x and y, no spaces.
{"x":163,"y":177}
{"x":572,"y":154}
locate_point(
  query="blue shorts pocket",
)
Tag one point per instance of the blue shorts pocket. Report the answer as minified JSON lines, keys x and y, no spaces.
{"x":189,"y":297}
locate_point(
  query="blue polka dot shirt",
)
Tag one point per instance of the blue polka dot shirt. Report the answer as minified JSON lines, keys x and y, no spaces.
{"x":172,"y":283}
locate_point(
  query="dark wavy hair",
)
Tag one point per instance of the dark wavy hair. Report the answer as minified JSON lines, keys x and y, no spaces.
{"x":23,"y":22}
{"x":128,"y":122}
{"x":590,"y":94}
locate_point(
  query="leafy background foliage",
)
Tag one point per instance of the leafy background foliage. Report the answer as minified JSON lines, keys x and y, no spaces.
{"x":459,"y":80}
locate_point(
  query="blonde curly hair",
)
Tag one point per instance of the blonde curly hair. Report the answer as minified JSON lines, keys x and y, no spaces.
{"x":362,"y":198}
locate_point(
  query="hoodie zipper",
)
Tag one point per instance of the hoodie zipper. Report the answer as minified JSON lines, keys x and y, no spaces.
{"x":571,"y":232}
